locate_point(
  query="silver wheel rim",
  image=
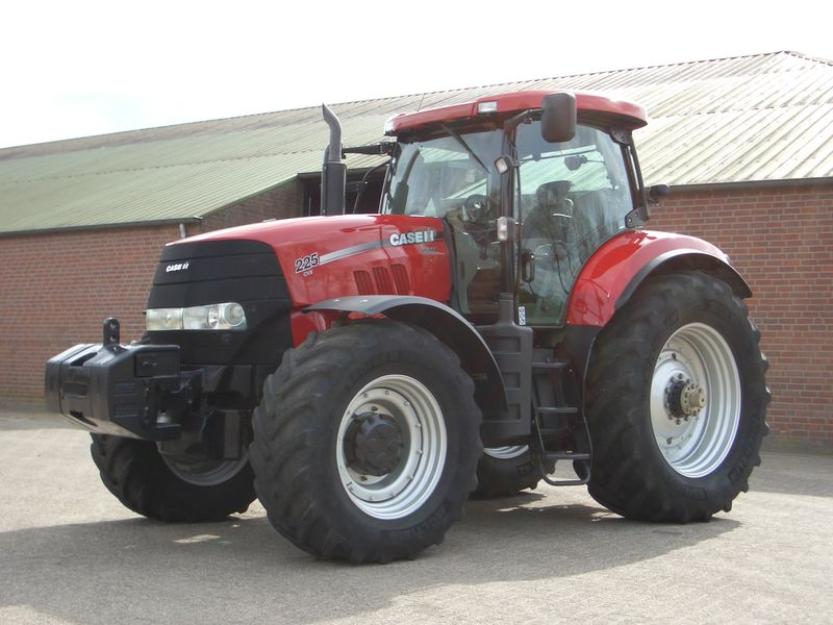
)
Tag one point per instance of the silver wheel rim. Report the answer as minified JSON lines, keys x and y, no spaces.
{"x":506,"y":453}
{"x":695,"y":433}
{"x":418,"y":415}
{"x":205,"y":472}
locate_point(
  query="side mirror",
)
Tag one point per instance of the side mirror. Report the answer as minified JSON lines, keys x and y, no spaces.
{"x":657,"y":192}
{"x":558,"y":117}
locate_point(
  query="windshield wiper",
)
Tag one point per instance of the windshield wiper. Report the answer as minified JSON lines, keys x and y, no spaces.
{"x":402,"y":184}
{"x":459,"y":139}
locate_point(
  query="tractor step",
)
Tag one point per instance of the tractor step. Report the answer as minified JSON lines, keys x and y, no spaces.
{"x":547,"y":460}
{"x":557,"y":410}
{"x":555,"y":456}
{"x":551,"y":458}
{"x":549,"y":365}
{"x":549,"y":401}
{"x":564,"y":482}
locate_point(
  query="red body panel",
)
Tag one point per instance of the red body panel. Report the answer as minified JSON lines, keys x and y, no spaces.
{"x":362,"y":243}
{"x":612,"y":267}
{"x":624,"y":114}
{"x":349,"y":243}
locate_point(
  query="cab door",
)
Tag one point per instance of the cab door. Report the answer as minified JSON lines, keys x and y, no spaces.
{"x":572,"y":197}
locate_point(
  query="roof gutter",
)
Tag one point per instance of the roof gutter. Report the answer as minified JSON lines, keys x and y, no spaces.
{"x":753,"y":185}
{"x":111,"y":226}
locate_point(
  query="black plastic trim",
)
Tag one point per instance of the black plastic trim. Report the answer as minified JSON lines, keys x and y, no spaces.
{"x":224,"y":247}
{"x":729,"y":273}
{"x":121,"y":390}
{"x":447,"y":325}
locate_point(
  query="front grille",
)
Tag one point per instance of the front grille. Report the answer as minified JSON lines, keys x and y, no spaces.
{"x":196,"y":273}
{"x":208,"y":272}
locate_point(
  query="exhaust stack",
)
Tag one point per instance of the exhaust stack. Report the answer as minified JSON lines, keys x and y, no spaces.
{"x":334,"y":171}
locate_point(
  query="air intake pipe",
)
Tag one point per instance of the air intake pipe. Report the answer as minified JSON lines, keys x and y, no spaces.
{"x":334,"y":171}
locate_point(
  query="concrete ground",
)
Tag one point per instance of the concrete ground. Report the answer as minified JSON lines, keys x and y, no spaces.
{"x":69,"y":553}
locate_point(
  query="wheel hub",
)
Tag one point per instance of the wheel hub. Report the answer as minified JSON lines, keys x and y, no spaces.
{"x":684,"y":397}
{"x":373,"y":444}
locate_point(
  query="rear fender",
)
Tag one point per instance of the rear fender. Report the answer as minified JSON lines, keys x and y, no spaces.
{"x":448,"y":326}
{"x":615,"y":271}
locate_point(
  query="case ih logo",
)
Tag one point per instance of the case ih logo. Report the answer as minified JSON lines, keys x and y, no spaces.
{"x":177,"y":267}
{"x":409,"y":238}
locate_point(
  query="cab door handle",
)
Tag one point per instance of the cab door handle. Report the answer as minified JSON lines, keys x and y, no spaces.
{"x":527,"y":266}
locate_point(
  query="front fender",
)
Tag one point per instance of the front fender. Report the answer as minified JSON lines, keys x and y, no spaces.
{"x":618,"y":267}
{"x":449,"y":327}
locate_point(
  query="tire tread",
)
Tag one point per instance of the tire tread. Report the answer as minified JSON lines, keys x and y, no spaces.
{"x":285,"y":478}
{"x":626,"y":479}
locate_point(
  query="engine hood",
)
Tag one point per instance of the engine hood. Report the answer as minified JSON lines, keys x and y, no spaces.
{"x":326,"y":257}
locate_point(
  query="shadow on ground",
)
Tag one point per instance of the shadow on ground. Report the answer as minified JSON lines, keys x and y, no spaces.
{"x":241,"y":571}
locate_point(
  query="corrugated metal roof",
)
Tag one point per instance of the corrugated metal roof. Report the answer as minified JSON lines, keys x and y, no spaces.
{"x":760,"y":117}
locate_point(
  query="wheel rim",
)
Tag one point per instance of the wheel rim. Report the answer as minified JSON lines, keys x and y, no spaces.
{"x":695,"y":400}
{"x":506,"y":453}
{"x":205,"y":471}
{"x":409,"y":406}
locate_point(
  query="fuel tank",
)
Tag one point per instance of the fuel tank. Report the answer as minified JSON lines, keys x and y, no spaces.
{"x":326,"y":257}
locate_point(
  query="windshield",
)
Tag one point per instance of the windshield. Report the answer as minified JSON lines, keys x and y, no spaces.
{"x":431,"y":178}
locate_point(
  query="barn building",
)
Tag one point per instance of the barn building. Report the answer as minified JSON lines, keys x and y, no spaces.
{"x":746,"y":144}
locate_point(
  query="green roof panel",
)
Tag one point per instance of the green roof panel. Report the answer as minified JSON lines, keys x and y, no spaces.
{"x":759,"y":117}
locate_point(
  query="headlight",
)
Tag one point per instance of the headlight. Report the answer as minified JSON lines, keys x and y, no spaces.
{"x":227,"y":316}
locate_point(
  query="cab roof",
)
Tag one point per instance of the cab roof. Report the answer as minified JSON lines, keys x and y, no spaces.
{"x":593,"y":108}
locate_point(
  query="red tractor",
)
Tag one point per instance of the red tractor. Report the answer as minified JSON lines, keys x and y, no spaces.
{"x":504,"y":311}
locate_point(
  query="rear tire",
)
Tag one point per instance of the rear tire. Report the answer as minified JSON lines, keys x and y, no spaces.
{"x":505,"y":471}
{"x":664,"y":451}
{"x":313,"y":475}
{"x":135,"y":472}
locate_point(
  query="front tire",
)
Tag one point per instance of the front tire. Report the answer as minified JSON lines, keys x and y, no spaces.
{"x":505,"y":471}
{"x":676,"y":401}
{"x":366,"y":442}
{"x":136,"y":473}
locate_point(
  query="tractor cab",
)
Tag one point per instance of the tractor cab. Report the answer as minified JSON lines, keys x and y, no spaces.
{"x":558,"y":170}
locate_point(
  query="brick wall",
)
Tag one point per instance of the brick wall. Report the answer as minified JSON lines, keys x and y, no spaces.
{"x":781,"y":240}
{"x":279,"y":203}
{"x":57,"y":288}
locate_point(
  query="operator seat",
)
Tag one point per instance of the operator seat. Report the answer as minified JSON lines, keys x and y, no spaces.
{"x":549,"y":218}
{"x":553,"y":195}
{"x":550,"y":222}
{"x":548,"y":233}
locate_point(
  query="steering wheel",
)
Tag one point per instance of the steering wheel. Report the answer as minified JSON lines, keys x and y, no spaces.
{"x":474,"y":208}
